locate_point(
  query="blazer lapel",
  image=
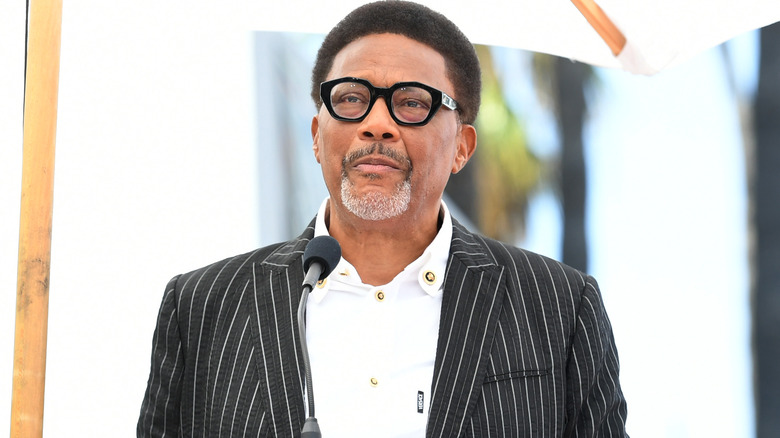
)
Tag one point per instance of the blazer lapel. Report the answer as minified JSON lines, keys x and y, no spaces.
{"x":473,"y":296}
{"x":277,"y":282}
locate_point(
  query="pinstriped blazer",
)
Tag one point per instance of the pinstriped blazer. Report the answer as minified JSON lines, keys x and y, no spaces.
{"x":525,"y":349}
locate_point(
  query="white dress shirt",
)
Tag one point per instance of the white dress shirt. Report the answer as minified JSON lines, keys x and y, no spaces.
{"x":372,"y":348}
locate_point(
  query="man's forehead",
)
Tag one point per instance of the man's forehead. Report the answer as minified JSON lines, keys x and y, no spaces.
{"x":384,"y":59}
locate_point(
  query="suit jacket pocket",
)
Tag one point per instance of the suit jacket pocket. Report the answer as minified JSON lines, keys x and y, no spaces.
{"x":517,"y":403}
{"x":519,"y":374}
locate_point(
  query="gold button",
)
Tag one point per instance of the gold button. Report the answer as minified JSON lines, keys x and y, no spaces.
{"x":321,"y":283}
{"x":380,"y":296}
{"x":429,"y":277}
{"x":374,"y":381}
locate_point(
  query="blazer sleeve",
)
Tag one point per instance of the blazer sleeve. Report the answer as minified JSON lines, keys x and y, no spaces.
{"x":595,"y":404}
{"x":160,"y":408}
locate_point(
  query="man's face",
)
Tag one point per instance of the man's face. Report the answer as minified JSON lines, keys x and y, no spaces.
{"x":375,"y":168}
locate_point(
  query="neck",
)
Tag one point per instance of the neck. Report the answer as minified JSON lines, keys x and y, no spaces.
{"x":380,"y":250}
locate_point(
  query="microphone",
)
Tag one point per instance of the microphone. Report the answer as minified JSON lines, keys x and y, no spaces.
{"x":320,"y":258}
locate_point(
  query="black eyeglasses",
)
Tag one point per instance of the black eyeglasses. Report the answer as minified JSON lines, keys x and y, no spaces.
{"x":409,"y":103}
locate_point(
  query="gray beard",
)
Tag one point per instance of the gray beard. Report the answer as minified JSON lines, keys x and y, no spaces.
{"x":376,"y":206}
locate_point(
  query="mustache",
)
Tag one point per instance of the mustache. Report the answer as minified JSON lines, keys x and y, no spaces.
{"x":376,"y":148}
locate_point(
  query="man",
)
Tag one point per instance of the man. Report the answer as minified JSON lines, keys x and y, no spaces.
{"x":423,"y":329}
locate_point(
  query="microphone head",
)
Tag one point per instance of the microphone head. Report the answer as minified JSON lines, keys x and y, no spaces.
{"x":324,"y":250}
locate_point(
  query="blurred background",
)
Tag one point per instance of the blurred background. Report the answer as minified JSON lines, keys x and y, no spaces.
{"x":178,"y":145}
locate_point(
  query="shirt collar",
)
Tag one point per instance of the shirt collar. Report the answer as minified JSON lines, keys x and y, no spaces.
{"x":429,"y":268}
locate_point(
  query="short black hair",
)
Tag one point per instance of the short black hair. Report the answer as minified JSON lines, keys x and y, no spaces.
{"x":416,"y":22}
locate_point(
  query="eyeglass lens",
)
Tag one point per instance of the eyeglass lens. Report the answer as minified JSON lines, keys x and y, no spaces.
{"x":351,"y":100}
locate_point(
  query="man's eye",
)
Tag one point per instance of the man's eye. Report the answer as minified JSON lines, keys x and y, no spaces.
{"x":351,"y":98}
{"x":413,"y":104}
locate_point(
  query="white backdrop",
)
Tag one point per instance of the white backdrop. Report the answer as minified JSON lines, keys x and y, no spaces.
{"x":155,"y":174}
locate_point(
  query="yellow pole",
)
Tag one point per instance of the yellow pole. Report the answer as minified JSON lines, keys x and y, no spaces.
{"x":32,"y":290}
{"x":602,"y":24}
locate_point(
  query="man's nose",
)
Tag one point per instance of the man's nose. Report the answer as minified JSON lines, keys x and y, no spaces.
{"x":379,"y":124}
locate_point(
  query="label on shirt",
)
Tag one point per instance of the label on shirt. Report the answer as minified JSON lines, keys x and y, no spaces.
{"x":420,"y":402}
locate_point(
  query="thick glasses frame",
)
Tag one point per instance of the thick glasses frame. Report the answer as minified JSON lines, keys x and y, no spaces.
{"x":438,"y":97}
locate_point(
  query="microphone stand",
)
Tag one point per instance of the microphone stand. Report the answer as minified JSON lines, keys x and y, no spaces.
{"x":321,"y":256}
{"x":310,"y":427}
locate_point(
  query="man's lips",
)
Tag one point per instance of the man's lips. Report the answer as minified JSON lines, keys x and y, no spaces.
{"x":373,"y":168}
{"x":375,"y":163}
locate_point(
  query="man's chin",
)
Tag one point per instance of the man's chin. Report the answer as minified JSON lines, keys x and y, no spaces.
{"x":376,"y":205}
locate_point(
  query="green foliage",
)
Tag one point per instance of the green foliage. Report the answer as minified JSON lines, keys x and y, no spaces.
{"x":507,"y":171}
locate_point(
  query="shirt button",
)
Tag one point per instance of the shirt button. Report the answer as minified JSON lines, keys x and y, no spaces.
{"x":380,"y":296}
{"x":374,"y":381}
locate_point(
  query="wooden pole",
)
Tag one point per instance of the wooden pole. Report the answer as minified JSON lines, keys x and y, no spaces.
{"x":32,"y":290}
{"x":602,"y":24}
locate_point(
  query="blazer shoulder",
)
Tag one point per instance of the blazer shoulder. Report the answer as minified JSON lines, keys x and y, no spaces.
{"x":510,"y":256}
{"x":538,"y":261}
{"x":281,"y":254}
{"x":230,"y":264}
{"x":526,"y":271}
{"x":228,"y":276}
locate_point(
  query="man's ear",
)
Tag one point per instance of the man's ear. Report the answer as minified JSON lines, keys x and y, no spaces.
{"x":467,"y":144}
{"x":315,"y":137}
